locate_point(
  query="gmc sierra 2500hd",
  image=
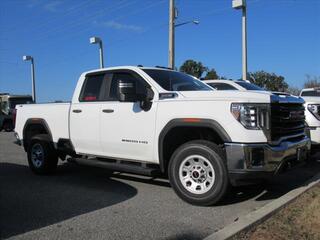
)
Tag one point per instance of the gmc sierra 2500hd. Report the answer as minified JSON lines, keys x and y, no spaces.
{"x":158,"y":121}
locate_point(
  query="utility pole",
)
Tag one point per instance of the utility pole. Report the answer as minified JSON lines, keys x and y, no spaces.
{"x":241,"y":4}
{"x":30,"y":58}
{"x":172,"y":16}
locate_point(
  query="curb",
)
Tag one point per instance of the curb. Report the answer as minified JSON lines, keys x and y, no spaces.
{"x":258,"y":216}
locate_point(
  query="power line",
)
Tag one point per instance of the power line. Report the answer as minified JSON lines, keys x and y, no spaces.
{"x":50,"y":20}
{"x":84,"y":29}
{"x":100,"y":12}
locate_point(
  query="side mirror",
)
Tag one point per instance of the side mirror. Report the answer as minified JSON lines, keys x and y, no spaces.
{"x":146,"y":103}
{"x":127,"y":91}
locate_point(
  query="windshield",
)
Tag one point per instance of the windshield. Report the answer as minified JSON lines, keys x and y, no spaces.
{"x":250,"y":86}
{"x":176,"y":81}
{"x":311,"y":93}
{"x":16,"y":101}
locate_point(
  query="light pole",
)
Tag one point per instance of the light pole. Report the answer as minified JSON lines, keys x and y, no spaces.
{"x":96,"y":40}
{"x":173,"y":14}
{"x":172,"y":17}
{"x":241,"y":4}
{"x":184,"y":23}
{"x":30,"y":58}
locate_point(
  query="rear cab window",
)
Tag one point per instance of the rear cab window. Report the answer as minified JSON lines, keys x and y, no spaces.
{"x":92,"y":88}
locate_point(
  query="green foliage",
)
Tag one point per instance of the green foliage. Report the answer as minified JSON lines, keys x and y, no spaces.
{"x":193,"y":68}
{"x":197,"y":69}
{"x":212,"y":74}
{"x":269,"y":81}
{"x":312,"y":81}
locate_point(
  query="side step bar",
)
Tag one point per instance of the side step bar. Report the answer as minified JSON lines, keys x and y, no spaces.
{"x":119,"y":166}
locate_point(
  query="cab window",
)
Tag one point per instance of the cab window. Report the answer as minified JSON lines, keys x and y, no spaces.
{"x":140,"y":84}
{"x":92,"y":88}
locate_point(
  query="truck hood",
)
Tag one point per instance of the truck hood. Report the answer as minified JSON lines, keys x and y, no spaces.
{"x":238,"y":96}
{"x":311,"y":99}
{"x":241,"y":96}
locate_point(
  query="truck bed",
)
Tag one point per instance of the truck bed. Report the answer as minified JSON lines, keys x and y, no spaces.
{"x":56,"y":116}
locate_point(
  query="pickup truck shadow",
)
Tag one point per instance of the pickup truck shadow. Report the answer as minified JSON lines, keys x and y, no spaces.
{"x":29,"y":202}
{"x":274,"y":187}
{"x":284,"y":183}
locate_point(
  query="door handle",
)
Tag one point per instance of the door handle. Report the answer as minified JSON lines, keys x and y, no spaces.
{"x":108,"y":110}
{"x":77,"y":110}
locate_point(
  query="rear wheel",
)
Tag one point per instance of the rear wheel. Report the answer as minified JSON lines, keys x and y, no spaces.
{"x":42,"y":157}
{"x":198,"y":173}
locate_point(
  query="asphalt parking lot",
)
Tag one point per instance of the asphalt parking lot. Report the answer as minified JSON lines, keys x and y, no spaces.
{"x":89,"y":203}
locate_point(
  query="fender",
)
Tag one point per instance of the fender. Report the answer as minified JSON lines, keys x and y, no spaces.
{"x":189,"y":122}
{"x":35,"y":121}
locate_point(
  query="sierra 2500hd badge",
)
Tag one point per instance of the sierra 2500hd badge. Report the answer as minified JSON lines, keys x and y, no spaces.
{"x":134,"y":141}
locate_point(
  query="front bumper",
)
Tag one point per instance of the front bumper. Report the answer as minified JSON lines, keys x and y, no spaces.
{"x":315,"y":135}
{"x":250,"y":162}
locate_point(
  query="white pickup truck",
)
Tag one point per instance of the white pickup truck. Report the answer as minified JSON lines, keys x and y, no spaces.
{"x":158,"y":121}
{"x":311,"y":97}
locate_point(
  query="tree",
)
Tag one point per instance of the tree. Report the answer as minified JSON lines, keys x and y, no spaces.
{"x":294,"y":91}
{"x":312,"y":81}
{"x":212,"y":74}
{"x":193,"y":68}
{"x":269,"y":81}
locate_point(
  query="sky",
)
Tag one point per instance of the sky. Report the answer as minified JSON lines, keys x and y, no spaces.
{"x":283,"y":37}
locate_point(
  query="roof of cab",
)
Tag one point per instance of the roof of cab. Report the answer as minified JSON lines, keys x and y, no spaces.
{"x":126,"y":67}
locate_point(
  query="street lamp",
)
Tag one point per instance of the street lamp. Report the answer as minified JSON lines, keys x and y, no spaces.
{"x":30,"y":58}
{"x":96,"y":40}
{"x":241,"y":4}
{"x":173,"y":15}
{"x":184,"y":23}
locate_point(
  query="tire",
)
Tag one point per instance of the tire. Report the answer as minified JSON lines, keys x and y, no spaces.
{"x":42,"y":157}
{"x":8,"y":126}
{"x":198,"y":173}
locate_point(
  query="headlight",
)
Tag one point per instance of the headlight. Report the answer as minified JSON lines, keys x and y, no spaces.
{"x":251,"y":116}
{"x":314,"y":109}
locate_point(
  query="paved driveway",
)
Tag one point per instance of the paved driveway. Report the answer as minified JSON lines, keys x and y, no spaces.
{"x":89,"y":203}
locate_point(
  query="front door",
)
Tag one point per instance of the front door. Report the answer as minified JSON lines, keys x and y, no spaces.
{"x":127,"y":131}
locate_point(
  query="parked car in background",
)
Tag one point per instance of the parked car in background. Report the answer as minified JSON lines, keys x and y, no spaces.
{"x":158,"y":121}
{"x":311,"y":97}
{"x":7,"y":109}
{"x":240,"y":85}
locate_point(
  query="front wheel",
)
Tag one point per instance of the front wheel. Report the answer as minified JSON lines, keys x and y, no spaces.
{"x":198,"y":173}
{"x":42,"y":157}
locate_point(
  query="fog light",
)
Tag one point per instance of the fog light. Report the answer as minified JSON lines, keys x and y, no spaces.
{"x":257,"y":157}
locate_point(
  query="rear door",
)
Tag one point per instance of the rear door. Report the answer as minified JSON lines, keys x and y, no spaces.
{"x":85,"y":115}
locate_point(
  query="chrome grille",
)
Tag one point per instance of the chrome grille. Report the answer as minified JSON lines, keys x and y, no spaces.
{"x":287,"y":120}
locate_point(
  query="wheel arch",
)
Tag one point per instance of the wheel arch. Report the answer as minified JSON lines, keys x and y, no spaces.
{"x":33,"y":127}
{"x":195,"y":126}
